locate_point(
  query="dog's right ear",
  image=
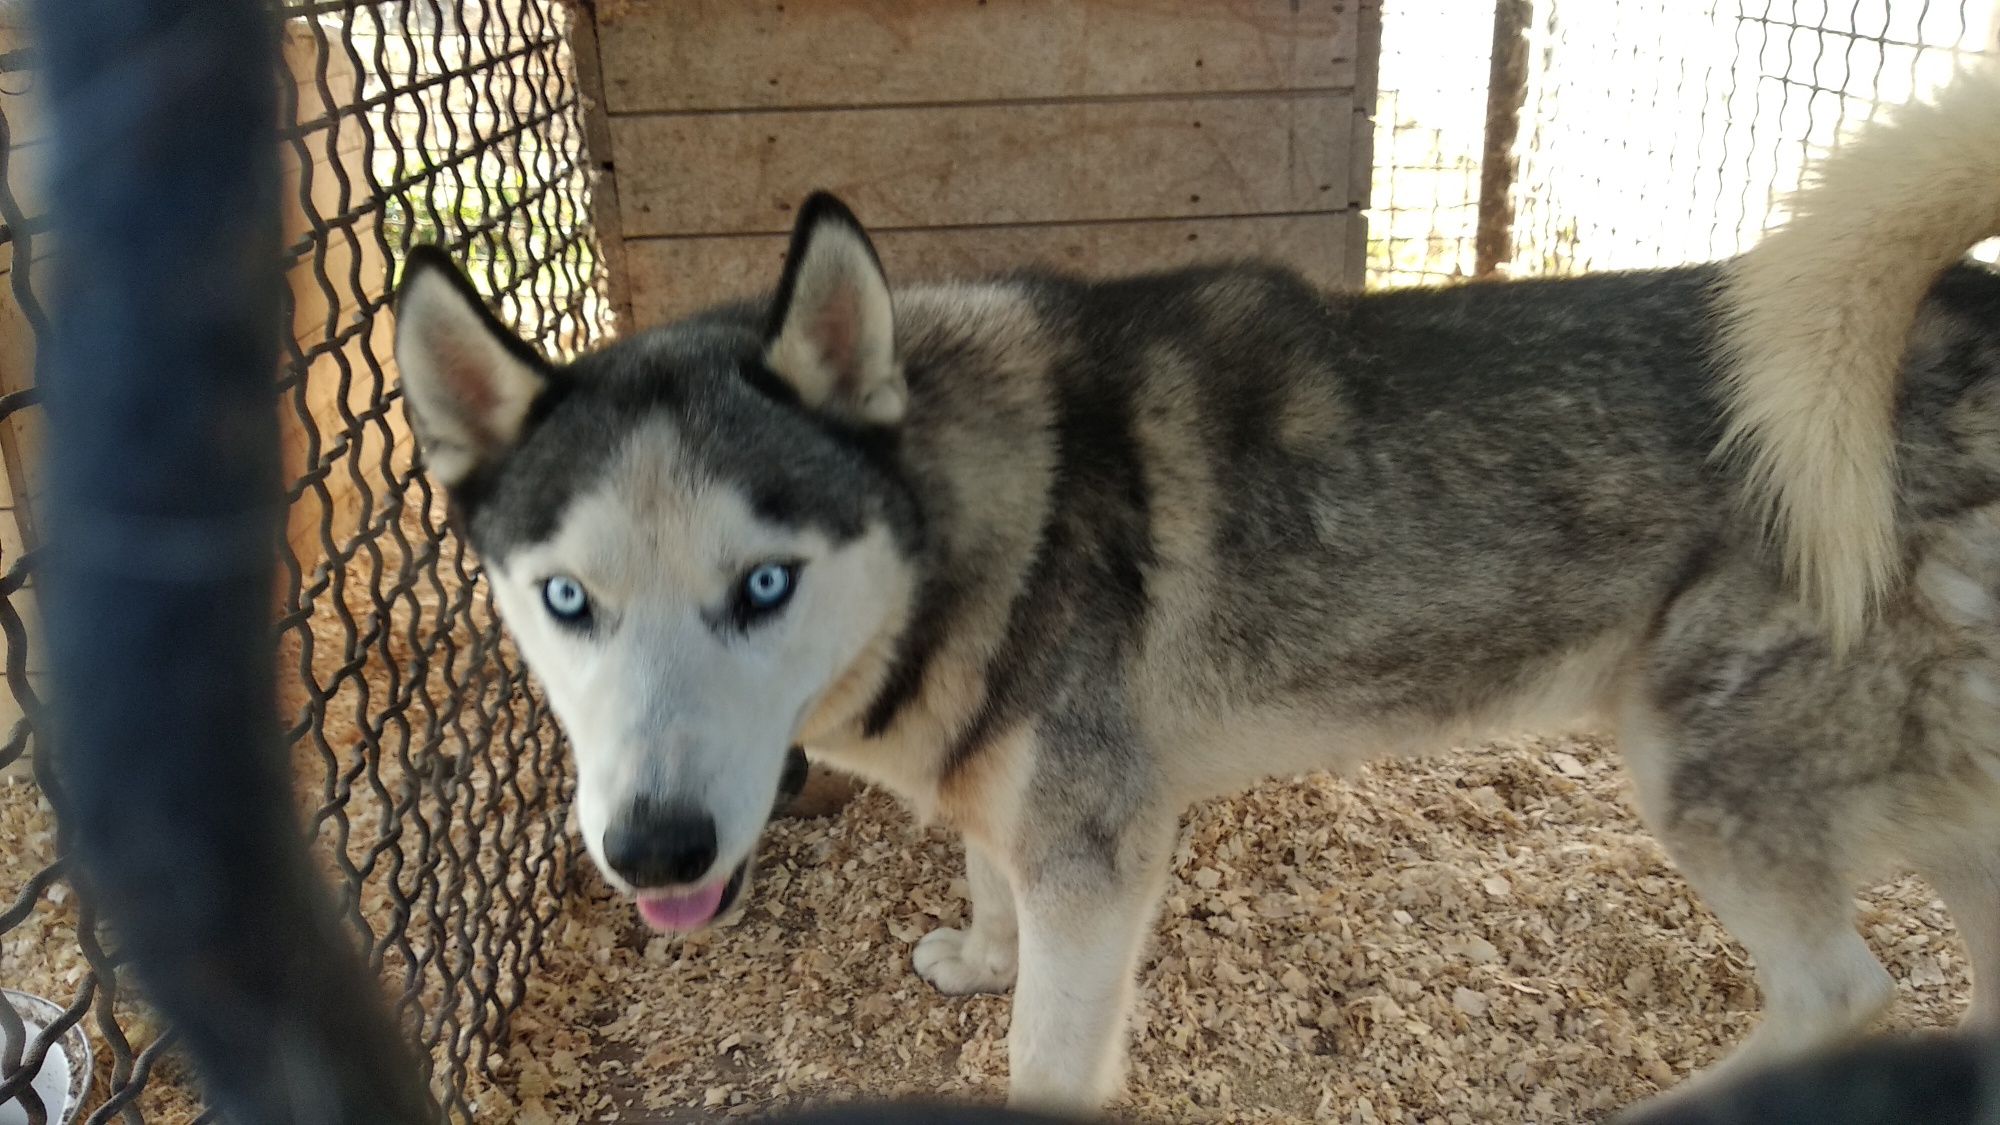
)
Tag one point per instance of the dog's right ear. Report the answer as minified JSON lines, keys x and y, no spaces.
{"x":469,"y":382}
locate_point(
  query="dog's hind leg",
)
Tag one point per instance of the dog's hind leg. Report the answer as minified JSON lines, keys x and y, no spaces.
{"x":1768,"y":862}
{"x":1969,"y":883}
{"x":979,"y":958}
{"x":1821,"y":984}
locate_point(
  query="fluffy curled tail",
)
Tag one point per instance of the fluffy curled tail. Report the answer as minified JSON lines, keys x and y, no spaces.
{"x":1815,"y":322}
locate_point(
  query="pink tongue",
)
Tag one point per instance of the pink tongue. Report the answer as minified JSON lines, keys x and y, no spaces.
{"x":679,"y":913}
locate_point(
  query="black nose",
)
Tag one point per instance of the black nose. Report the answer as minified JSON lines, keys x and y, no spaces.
{"x":661,"y":845}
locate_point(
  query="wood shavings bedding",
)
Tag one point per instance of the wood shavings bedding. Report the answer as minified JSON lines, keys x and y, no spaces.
{"x":1486,"y":936}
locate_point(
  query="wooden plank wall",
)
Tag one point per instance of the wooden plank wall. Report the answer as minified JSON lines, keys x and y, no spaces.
{"x":21,"y":103}
{"x":337,"y":286}
{"x":1098,"y":135}
{"x":314,"y":313}
{"x":323,"y":178}
{"x":322,"y":310}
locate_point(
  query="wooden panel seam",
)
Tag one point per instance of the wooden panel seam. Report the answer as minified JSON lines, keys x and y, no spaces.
{"x":1028,"y":224}
{"x":990,"y":103}
{"x":976,"y":165}
{"x":672,"y":277}
{"x":719,"y":54}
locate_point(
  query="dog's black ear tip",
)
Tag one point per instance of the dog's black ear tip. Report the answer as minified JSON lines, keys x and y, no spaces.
{"x":425,"y":258}
{"x":428,"y":254}
{"x":822,"y":206}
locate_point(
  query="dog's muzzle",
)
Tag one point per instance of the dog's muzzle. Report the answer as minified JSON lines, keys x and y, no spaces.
{"x":660,"y":851}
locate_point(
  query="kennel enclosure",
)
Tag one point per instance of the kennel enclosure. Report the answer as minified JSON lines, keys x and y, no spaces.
{"x":627,"y":160}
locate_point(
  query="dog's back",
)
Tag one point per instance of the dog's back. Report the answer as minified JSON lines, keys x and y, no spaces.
{"x":1408,"y":512}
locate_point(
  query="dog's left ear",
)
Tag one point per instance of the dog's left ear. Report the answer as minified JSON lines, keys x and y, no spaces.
{"x":832,"y":334}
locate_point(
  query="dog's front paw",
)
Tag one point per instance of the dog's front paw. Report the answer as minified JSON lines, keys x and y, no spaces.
{"x":961,"y":962}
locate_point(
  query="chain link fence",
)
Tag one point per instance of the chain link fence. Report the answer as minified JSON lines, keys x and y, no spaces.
{"x":1633,"y":133}
{"x":433,"y":780}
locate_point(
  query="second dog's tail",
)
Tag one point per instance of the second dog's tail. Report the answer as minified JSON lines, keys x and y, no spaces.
{"x":1815,"y":321}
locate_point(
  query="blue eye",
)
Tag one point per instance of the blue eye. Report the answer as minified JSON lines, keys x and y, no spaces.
{"x":566,"y":600}
{"x":768,"y":587}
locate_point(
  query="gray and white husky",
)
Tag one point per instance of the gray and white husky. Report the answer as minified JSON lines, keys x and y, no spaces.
{"x":1053,"y":558}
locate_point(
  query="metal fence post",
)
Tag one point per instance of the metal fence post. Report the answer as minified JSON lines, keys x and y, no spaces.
{"x":1506,"y":94}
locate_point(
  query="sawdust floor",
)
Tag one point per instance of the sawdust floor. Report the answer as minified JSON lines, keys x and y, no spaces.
{"x":1486,"y":937}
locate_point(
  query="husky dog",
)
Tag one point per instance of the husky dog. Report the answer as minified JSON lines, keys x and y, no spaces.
{"x":1053,"y":558}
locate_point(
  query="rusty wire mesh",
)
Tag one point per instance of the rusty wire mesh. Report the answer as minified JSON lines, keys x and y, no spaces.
{"x":1424,"y":193}
{"x":1649,"y":132}
{"x":431,"y":776}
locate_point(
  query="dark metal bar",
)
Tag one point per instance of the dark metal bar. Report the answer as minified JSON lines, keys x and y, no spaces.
{"x":395,"y":94}
{"x":1506,"y":95}
{"x":163,"y":503}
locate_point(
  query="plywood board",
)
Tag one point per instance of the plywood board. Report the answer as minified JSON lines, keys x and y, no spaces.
{"x":342,"y":508}
{"x":20,"y":432}
{"x":742,"y":173}
{"x":675,"y":276}
{"x":21,"y":103}
{"x":354,"y":267}
{"x":736,"y":54}
{"x":316,"y":313}
{"x":587,"y":52}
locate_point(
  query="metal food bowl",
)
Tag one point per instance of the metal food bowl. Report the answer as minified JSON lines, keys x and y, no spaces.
{"x":65,"y":1075}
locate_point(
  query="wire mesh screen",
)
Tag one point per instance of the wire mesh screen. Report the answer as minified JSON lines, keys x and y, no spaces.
{"x":430,"y":774}
{"x":1424,"y":195}
{"x":1650,"y":132}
